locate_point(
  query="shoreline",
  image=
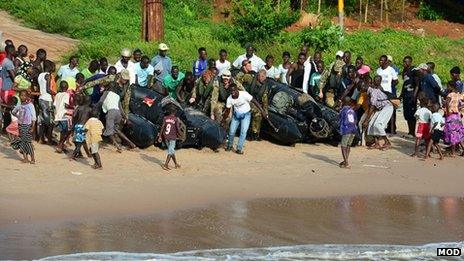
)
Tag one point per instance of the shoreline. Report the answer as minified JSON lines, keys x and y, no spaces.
{"x":133,"y":183}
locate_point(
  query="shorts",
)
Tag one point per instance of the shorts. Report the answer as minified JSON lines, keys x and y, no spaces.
{"x":63,"y":125}
{"x":94,"y":146}
{"x":437,"y":135}
{"x":347,"y":140}
{"x":171,"y":144}
{"x":7,"y":96}
{"x":423,"y":131}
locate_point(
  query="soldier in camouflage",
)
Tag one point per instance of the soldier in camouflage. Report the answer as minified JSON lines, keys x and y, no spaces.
{"x":201,"y":93}
{"x":246,"y":75}
{"x":260,"y":91}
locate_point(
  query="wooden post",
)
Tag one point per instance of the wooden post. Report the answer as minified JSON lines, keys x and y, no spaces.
{"x":381,"y":10}
{"x":341,"y":13}
{"x":402,"y":11}
{"x":386,"y":11}
{"x":360,"y":13}
{"x":152,"y":20}
{"x":366,"y":11}
{"x":319,"y":7}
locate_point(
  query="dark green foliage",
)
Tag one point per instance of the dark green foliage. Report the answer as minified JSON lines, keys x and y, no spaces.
{"x":260,"y":20}
{"x":426,"y":12}
{"x":322,"y":37}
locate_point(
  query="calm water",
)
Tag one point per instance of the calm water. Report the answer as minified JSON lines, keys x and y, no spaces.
{"x":289,"y":229}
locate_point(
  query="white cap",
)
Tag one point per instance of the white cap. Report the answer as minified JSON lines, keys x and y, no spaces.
{"x":390,"y":58}
{"x":422,"y":66}
{"x":126,"y":52}
{"x":163,"y":47}
{"x":339,"y":53}
{"x":226,"y":74}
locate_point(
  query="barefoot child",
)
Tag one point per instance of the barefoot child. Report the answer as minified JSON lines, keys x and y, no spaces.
{"x":26,"y":120}
{"x":169,"y":133}
{"x":80,"y":117}
{"x":348,"y":129}
{"x":436,"y":122}
{"x":423,"y":115}
{"x":94,"y":128}
{"x":62,"y":117}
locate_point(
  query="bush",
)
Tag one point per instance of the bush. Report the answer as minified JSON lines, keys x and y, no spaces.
{"x":426,"y":12}
{"x":322,"y":37}
{"x":259,"y":20}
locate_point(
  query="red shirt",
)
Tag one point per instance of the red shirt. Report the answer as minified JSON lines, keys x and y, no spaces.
{"x":2,"y":56}
{"x":170,"y":129}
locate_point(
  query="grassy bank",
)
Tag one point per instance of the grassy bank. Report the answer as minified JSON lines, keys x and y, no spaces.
{"x":106,"y":26}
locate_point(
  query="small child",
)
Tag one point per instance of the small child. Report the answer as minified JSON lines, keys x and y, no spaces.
{"x":80,"y":117}
{"x":94,"y":128}
{"x":437,"y":123}
{"x":169,"y":133}
{"x":348,"y":129}
{"x":62,"y":115}
{"x":26,"y":120}
{"x":423,"y":115}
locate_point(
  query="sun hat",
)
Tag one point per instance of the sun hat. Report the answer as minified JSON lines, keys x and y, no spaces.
{"x":125,"y":75}
{"x":339,"y":53}
{"x":226,"y":74}
{"x":126,"y":52}
{"x":364,"y":69}
{"x":163,"y":47}
{"x":422,"y":66}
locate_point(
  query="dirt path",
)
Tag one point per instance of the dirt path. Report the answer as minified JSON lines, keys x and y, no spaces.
{"x":56,"y":45}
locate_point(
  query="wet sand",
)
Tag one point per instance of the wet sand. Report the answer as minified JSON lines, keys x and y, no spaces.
{"x":386,"y":220}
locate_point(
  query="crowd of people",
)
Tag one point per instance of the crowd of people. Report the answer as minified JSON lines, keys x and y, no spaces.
{"x":36,"y":98}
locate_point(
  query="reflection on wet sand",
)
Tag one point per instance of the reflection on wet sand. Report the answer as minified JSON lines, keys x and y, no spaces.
{"x":407,"y":220}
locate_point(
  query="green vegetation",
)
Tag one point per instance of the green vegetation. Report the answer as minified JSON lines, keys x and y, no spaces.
{"x":426,"y":12}
{"x":106,"y":26}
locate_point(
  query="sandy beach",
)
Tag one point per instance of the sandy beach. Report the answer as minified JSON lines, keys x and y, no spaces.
{"x":133,"y":183}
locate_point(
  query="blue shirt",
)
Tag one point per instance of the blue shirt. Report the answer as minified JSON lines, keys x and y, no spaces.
{"x":430,"y":87}
{"x":142,"y":74}
{"x":348,"y":121}
{"x":66,"y":72}
{"x":7,"y":65}
{"x":162,"y":64}
{"x":199,"y":66}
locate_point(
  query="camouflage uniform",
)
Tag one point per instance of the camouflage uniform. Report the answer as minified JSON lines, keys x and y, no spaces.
{"x":246,"y":79}
{"x":330,"y":80}
{"x":202,"y":95}
{"x":260,"y":92}
{"x":219,"y":98}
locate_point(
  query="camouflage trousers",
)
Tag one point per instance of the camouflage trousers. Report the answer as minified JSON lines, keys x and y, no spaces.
{"x":256,"y":119}
{"x":218,"y":111}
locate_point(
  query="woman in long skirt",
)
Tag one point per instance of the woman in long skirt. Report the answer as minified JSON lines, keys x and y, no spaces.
{"x":25,"y":112}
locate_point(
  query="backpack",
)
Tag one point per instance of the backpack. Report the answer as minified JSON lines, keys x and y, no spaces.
{"x":281,"y":102}
{"x":181,"y":130}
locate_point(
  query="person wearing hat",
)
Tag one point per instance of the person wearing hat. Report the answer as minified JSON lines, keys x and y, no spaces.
{"x":126,"y":63}
{"x":221,"y":92}
{"x":330,"y":80}
{"x":246,"y":74}
{"x":409,"y":92}
{"x":428,"y":84}
{"x":162,"y":64}
{"x":256,"y":62}
{"x":455,"y":73}
{"x":172,"y":81}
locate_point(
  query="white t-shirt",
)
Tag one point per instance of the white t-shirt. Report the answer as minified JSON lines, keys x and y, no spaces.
{"x":439,"y":120}
{"x":61,"y":100}
{"x":242,"y":103}
{"x":388,"y":75}
{"x":423,"y":115}
{"x":283,"y":74}
{"x":66,"y":72}
{"x":111,"y":102}
{"x":130,"y":68}
{"x":222,"y":66}
{"x":256,"y":62}
{"x":273,"y":72}
{"x":44,"y":95}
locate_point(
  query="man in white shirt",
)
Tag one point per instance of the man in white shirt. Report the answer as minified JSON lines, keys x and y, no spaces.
{"x":256,"y":62}
{"x":389,"y":75}
{"x":126,"y":63}
{"x":69,"y":70}
{"x":222,"y":64}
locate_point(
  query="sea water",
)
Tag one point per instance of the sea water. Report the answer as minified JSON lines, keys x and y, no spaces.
{"x":341,"y":228}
